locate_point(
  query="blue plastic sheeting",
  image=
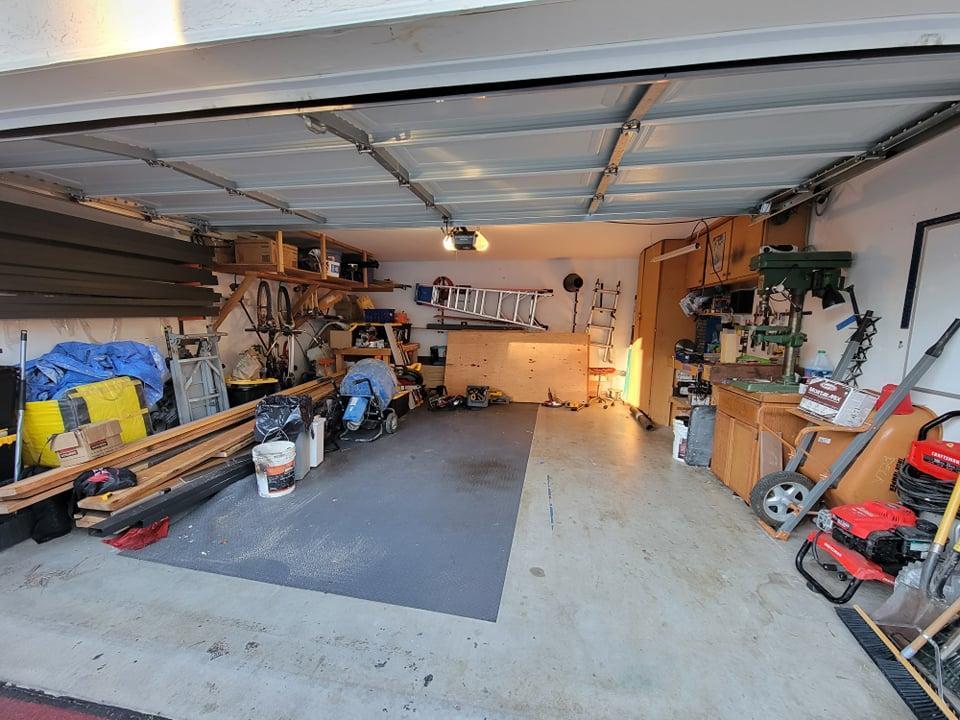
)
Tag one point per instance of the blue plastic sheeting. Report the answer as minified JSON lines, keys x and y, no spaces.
{"x":71,"y":364}
{"x":380,"y":375}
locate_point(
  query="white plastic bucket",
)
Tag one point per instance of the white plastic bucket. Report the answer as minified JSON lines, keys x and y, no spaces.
{"x":680,"y":431}
{"x":275,"y":464}
{"x":316,"y":441}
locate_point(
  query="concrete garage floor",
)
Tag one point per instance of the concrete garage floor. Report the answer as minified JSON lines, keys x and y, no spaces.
{"x":650,"y":593}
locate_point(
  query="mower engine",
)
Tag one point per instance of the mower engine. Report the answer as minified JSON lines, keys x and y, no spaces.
{"x":867,"y":541}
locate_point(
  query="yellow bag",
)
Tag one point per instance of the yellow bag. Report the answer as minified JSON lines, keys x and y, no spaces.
{"x":119,"y":398}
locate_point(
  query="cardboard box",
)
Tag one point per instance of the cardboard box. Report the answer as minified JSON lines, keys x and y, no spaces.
{"x":837,"y":402}
{"x":262,"y":252}
{"x":341,"y":339}
{"x":87,"y":442}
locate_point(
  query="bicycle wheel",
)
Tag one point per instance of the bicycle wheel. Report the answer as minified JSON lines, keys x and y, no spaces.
{"x":264,"y":304}
{"x":284,"y":308}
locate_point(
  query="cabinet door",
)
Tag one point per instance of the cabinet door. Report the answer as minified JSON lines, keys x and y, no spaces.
{"x":744,"y":244}
{"x":743,"y":459}
{"x":718,"y":254}
{"x":791,"y":230}
{"x":720,"y":460}
{"x":648,"y":299}
{"x":695,"y":264}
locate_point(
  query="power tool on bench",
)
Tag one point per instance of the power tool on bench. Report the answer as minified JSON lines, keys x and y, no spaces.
{"x":874,"y":540}
{"x":791,"y":274}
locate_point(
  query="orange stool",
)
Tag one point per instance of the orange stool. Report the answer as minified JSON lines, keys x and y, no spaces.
{"x":602,"y":374}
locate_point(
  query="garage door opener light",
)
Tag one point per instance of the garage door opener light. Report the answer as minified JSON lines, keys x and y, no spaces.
{"x":462,"y":238}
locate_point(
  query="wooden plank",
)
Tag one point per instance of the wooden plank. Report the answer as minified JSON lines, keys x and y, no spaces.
{"x":521,"y":364}
{"x":32,"y":252}
{"x":152,"y":478}
{"x":70,"y":226}
{"x":27,"y":310}
{"x":670,"y":326}
{"x":278,"y":250}
{"x":144,"y":448}
{"x":42,"y":280}
{"x":234,"y":300}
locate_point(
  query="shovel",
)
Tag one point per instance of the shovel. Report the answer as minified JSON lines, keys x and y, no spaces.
{"x":917,"y":598}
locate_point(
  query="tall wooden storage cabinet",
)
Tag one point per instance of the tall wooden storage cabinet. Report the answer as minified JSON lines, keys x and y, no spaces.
{"x":658,"y":323}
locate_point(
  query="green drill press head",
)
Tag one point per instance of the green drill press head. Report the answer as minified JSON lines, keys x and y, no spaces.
{"x":796,"y":274}
{"x":816,"y":272}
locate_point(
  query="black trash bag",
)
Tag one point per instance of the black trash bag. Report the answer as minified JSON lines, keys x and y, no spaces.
{"x":102,"y":480}
{"x":52,"y":518}
{"x":282,"y":417}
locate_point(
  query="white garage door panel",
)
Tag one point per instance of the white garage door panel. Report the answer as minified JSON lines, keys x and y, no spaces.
{"x":716,"y":142}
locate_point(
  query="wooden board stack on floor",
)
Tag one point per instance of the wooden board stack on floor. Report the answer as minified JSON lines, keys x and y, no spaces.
{"x":160,"y":461}
{"x":521,"y":364}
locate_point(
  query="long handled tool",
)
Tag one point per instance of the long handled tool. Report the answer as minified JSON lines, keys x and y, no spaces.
{"x":860,"y":442}
{"x":927,"y":634}
{"x":21,"y":403}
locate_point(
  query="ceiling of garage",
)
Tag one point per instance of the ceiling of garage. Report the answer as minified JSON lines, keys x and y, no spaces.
{"x":704,"y":144}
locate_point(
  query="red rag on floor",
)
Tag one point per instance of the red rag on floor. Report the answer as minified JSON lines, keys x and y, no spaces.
{"x":139,"y":538}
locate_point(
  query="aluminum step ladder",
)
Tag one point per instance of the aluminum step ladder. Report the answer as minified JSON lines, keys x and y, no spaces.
{"x":197,"y":374}
{"x":510,"y":307}
{"x":603,"y":319}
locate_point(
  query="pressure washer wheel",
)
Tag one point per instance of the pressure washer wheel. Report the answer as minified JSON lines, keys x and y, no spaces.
{"x":390,"y":421}
{"x":775,"y":496}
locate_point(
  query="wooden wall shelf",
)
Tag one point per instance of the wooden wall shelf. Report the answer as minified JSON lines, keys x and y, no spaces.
{"x":304,"y":277}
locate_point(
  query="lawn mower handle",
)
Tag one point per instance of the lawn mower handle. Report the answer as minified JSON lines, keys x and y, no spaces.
{"x":922,"y":435}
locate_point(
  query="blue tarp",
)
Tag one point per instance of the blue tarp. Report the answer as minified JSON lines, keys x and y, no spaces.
{"x":380,"y":375}
{"x":70,"y":364}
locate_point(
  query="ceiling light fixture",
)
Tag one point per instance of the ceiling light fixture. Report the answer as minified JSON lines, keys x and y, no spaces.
{"x":462,"y":238}
{"x":686,"y":249}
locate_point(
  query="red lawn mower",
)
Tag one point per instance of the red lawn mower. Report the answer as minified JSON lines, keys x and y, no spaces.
{"x":873,"y":540}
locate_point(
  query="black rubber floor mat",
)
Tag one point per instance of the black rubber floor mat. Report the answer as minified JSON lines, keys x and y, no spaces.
{"x":22,"y":704}
{"x":423,"y":518}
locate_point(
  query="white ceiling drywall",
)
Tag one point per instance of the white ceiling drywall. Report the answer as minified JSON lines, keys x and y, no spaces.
{"x":521,"y":242}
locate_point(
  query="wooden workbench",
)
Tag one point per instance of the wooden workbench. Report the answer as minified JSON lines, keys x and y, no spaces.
{"x":742,"y":419}
{"x":383,"y":353}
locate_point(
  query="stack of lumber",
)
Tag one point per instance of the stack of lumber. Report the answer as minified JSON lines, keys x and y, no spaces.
{"x":161,"y":461}
{"x":55,"y":265}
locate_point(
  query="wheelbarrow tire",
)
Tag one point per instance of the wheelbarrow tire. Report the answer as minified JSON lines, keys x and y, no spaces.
{"x":774,"y":493}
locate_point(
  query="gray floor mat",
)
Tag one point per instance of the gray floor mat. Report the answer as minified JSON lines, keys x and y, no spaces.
{"x":423,"y":518}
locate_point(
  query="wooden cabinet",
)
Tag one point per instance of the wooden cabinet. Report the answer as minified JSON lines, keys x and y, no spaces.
{"x":746,"y":242}
{"x":658,"y":324}
{"x":733,"y":241}
{"x":741,"y":418}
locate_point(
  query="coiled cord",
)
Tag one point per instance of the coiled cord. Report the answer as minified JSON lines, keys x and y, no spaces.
{"x":920,"y":492}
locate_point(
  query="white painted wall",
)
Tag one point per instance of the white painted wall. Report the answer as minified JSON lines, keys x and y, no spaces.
{"x":875,"y":216}
{"x":556,"y":312}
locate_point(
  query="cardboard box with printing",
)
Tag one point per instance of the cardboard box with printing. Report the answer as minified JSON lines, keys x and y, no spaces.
{"x":837,"y":402}
{"x":86,"y":442}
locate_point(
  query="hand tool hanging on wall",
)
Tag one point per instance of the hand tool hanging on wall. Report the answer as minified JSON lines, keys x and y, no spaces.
{"x":572,"y":284}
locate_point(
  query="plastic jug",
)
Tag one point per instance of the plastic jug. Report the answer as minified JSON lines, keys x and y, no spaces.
{"x":820,"y":367}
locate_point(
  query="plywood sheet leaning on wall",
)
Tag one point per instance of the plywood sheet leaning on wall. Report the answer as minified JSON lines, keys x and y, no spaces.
{"x":521,"y":364}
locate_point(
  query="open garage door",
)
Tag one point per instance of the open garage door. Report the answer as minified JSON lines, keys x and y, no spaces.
{"x":693,"y":144}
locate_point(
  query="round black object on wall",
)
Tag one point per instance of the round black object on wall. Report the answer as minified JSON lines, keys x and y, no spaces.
{"x":572,"y":282}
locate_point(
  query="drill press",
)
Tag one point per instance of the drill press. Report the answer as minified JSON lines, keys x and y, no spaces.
{"x":792,"y":275}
